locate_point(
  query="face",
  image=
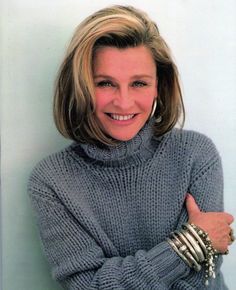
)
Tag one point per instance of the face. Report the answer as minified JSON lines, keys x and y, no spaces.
{"x":125,"y":88}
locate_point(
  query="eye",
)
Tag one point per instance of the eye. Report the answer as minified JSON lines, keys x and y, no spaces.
{"x":104,"y":84}
{"x":139,"y":84}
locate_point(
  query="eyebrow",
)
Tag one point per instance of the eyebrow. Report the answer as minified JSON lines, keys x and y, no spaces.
{"x":133,"y":77}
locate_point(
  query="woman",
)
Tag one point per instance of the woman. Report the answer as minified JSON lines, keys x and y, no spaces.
{"x":112,"y":208}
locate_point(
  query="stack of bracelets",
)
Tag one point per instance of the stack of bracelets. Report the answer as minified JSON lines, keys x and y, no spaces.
{"x":194,"y":246}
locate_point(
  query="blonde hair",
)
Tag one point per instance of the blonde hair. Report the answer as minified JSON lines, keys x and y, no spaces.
{"x":121,"y":27}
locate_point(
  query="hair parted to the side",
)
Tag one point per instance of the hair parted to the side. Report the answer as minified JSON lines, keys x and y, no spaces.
{"x":121,"y":27}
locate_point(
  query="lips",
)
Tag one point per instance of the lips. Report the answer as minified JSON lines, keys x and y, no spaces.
{"x":121,"y":117}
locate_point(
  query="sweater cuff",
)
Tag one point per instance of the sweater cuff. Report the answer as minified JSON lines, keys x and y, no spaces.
{"x":167,"y":263}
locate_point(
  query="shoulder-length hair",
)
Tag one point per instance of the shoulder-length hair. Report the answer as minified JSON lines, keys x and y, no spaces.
{"x":121,"y":27}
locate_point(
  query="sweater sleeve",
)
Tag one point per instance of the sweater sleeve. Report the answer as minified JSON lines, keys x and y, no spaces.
{"x":78,"y":261}
{"x":206,"y":186}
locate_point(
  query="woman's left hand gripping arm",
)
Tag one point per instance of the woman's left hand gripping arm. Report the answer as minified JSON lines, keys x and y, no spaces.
{"x":216,"y":224}
{"x":204,"y":208}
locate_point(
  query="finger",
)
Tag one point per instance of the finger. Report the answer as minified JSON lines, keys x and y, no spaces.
{"x":231,"y":235}
{"x":229,"y":218}
{"x":191,"y":205}
{"x":224,"y":216}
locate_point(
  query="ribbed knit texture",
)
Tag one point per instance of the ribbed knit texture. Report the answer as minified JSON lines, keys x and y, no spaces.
{"x":104,"y":212}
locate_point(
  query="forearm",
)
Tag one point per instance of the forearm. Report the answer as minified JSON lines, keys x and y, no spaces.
{"x":78,"y":262}
{"x":144,"y":270}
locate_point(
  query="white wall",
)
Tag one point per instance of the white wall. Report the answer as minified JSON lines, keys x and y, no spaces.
{"x":34,"y":35}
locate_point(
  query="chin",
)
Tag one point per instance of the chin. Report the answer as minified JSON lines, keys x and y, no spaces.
{"x":122,"y":137}
{"x":123,"y":133}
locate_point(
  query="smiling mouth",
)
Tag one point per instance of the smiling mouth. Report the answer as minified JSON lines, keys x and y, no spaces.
{"x":121,"y":117}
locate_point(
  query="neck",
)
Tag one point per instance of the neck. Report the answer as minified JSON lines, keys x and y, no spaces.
{"x":137,"y":149}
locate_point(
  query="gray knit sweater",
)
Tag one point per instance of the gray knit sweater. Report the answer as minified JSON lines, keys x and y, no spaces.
{"x":104,"y":213}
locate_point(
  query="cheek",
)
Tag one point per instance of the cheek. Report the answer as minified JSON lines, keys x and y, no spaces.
{"x":102,"y":99}
{"x":147,"y":95}
{"x":146,"y":101}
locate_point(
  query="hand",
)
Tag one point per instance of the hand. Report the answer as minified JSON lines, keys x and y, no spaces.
{"x":216,"y":224}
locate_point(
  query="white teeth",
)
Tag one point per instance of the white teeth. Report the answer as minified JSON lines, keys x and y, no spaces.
{"x":120,"y":117}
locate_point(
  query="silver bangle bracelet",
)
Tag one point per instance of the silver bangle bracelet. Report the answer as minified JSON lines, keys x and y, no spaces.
{"x":183,"y":249}
{"x":194,"y":246}
{"x":194,"y":243}
{"x":206,"y":245}
{"x":176,"y":240}
{"x":197,"y":267}
{"x":196,"y":235}
{"x":193,"y":252}
{"x":179,"y":253}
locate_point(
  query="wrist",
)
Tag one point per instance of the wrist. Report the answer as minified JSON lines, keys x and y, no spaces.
{"x":194,"y":246}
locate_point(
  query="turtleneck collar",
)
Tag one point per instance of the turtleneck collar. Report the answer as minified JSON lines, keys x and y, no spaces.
{"x":139,"y":148}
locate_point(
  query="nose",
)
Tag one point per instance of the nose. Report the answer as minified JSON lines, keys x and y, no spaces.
{"x":123,"y":99}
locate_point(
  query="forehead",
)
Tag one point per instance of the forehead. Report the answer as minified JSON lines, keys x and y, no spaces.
{"x":112,"y":60}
